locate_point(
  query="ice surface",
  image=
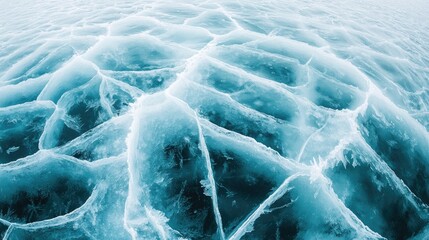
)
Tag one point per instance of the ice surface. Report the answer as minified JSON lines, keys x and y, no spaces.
{"x":214,"y":120}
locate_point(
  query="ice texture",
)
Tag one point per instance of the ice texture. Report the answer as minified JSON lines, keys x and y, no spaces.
{"x":214,"y":119}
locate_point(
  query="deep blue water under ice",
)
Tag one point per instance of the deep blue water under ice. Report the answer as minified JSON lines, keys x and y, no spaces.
{"x":214,"y":119}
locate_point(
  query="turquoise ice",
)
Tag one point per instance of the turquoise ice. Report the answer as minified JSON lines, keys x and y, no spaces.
{"x":214,"y":119}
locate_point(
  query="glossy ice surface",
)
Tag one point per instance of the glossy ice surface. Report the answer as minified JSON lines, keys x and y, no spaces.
{"x":214,"y":119}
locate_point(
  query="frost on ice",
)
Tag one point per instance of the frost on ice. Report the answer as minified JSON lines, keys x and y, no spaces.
{"x":214,"y":120}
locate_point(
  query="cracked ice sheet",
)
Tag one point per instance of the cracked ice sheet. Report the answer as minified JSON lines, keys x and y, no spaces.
{"x":214,"y":120}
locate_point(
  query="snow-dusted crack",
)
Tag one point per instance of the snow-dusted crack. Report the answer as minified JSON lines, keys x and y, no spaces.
{"x":247,"y":225}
